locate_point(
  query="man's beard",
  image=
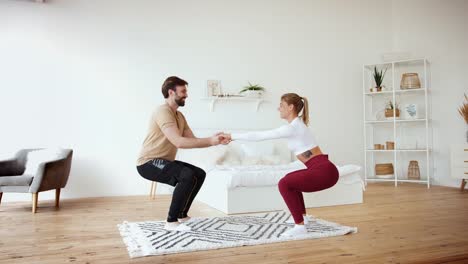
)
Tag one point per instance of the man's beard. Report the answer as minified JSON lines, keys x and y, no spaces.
{"x":180,"y":101}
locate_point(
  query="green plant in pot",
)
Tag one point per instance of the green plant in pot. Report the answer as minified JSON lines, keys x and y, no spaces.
{"x":378,"y":78}
{"x":252,"y":90}
{"x":389,"y":110}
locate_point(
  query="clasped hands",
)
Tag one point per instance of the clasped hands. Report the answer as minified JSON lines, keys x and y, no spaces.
{"x":221,"y":138}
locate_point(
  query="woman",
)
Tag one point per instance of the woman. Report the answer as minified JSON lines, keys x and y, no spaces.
{"x":320,"y":173}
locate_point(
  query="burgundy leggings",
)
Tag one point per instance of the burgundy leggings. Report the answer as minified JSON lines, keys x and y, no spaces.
{"x":320,"y":174}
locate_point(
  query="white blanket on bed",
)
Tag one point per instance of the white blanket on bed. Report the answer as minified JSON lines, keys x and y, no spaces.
{"x":269,"y":175}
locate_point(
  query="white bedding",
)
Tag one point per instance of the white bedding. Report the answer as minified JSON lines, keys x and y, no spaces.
{"x":269,"y":175}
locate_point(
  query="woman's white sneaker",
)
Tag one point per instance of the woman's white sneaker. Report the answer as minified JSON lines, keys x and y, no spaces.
{"x":297,"y":230}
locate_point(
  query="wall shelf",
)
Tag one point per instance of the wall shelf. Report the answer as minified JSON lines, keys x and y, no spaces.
{"x":396,"y":121}
{"x":213,"y":100}
{"x":398,"y":91}
{"x":398,"y":150}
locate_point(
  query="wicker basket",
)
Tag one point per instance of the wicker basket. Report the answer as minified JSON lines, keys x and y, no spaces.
{"x":378,"y":146}
{"x":413,"y":170}
{"x":410,"y":81}
{"x":389,"y":113}
{"x":390,"y":144}
{"x":384,"y":169}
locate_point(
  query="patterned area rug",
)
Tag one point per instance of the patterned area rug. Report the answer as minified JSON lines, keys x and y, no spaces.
{"x":150,"y":238}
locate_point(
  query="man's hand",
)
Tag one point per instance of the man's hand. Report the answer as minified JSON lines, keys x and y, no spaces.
{"x":188,"y":142}
{"x":217,"y":139}
{"x":220,"y":138}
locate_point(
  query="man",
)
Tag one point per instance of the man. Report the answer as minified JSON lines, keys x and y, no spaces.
{"x":168,"y":132}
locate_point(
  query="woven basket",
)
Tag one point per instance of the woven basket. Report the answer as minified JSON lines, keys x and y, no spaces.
{"x":390,"y":144}
{"x":378,"y":146}
{"x":413,"y":170}
{"x":410,"y":81}
{"x":383,"y":169}
{"x":389,"y":112}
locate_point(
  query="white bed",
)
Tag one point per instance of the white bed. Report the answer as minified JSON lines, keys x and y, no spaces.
{"x":269,"y":175}
{"x":246,"y":189}
{"x":243,"y":177}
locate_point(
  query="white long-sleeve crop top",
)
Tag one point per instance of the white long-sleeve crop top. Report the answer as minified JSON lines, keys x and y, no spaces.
{"x":300,"y":138}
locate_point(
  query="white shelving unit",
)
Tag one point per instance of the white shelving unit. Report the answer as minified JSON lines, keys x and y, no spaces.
{"x":412,"y":136}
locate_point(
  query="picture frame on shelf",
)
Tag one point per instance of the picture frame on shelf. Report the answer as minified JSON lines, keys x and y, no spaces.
{"x":213,"y":88}
{"x":410,"y":111}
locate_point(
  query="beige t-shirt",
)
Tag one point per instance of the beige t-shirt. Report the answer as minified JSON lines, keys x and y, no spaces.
{"x":156,"y":144}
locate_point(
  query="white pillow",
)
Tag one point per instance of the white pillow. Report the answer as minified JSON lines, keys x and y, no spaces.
{"x":205,"y":158}
{"x":258,"y":149}
{"x":264,"y":153}
{"x":36,"y":157}
{"x":265,"y":160}
{"x":283,"y":151}
{"x":348,"y":169}
{"x":231,"y":157}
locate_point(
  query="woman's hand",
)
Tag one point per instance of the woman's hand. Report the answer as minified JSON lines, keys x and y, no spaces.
{"x":226,"y":138}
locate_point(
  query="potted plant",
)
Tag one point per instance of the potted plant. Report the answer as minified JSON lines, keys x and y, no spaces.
{"x":389,"y":110}
{"x":463,"y":110}
{"x":253,"y":90}
{"x":378,"y":78}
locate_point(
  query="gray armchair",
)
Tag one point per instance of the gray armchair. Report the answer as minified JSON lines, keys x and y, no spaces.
{"x":50,"y":175}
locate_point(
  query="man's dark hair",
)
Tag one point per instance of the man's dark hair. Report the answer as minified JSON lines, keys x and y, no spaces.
{"x":170,"y":84}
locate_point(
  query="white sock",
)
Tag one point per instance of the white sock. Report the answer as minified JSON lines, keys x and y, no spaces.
{"x":176,"y":226}
{"x":183,"y":220}
{"x":297,"y":230}
{"x":307,"y":219}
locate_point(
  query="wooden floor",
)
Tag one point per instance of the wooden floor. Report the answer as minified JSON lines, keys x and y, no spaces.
{"x":407,"y":224}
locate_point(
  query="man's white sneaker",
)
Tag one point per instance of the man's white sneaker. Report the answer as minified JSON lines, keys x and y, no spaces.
{"x":184,"y":220}
{"x":176,"y":226}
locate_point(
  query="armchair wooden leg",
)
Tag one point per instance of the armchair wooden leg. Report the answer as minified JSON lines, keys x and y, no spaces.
{"x":153,"y":190}
{"x":34,"y":202}
{"x":463,"y":184}
{"x":1,"y":194}
{"x":57,"y":197}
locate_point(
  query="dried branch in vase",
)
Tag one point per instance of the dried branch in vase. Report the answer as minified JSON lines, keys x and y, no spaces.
{"x":463,"y":110}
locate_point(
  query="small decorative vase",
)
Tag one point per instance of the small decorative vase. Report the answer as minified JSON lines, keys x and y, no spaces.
{"x":413,"y":170}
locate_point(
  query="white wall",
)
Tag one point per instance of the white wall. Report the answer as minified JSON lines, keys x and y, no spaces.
{"x":87,"y":74}
{"x":437,"y":29}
